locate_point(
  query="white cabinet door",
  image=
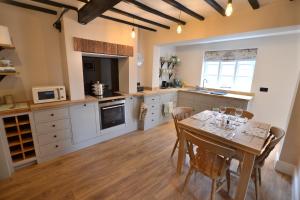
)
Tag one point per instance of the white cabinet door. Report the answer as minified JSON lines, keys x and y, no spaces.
{"x":84,"y":121}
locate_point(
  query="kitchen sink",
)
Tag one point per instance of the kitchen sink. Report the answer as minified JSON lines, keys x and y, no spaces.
{"x":214,"y":92}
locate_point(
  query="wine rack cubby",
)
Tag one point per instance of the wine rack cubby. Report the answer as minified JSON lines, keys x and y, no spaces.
{"x":19,"y":137}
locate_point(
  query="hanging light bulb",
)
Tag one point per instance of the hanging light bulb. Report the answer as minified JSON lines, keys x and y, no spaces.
{"x":179,"y":29}
{"x":132,"y":33}
{"x":229,"y":8}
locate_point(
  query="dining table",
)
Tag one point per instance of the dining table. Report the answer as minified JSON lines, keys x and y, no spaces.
{"x":246,"y":137}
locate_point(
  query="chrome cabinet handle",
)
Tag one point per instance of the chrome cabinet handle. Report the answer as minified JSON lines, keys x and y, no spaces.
{"x":112,"y":107}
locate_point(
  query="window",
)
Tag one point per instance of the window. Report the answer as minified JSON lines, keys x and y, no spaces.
{"x":229,"y":74}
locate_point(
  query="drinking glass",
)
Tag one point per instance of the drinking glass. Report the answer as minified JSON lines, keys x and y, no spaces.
{"x":222,"y":109}
{"x":238,"y":113}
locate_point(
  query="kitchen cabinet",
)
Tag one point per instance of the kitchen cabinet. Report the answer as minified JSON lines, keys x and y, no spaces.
{"x":85,"y":121}
{"x":200,"y":102}
{"x":53,"y":129}
{"x":17,"y":142}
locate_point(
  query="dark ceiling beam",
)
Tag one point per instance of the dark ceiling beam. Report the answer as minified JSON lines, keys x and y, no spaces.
{"x":254,"y":4}
{"x":30,"y":7}
{"x":216,"y":6}
{"x":92,"y":9}
{"x":184,"y":9}
{"x":56,"y":4}
{"x":84,"y":1}
{"x":139,"y":18}
{"x":128,"y":23}
{"x":155,"y":12}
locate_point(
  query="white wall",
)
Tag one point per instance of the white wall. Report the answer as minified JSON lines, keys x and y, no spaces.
{"x":37,"y":55}
{"x":277,"y":68}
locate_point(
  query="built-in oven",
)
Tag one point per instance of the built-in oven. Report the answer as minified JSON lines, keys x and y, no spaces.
{"x":112,"y":113}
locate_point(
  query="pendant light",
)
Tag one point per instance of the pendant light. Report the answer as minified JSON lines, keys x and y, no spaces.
{"x":229,"y":8}
{"x":132,"y":30}
{"x":179,"y":28}
{"x":132,"y":33}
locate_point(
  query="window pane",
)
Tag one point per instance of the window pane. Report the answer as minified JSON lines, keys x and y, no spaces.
{"x":245,"y":68}
{"x":212,"y":81}
{"x":211,"y":68}
{"x":226,"y":82}
{"x":227,"y":68}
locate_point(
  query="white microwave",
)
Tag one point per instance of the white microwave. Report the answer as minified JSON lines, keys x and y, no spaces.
{"x":47,"y":94}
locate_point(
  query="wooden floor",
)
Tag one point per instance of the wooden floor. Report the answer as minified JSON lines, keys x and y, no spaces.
{"x":136,"y":166}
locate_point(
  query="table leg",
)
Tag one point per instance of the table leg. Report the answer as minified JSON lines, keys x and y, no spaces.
{"x":246,"y":170}
{"x":181,"y":154}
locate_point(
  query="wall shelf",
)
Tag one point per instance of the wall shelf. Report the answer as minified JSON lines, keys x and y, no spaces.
{"x":3,"y":74}
{"x":5,"y":46}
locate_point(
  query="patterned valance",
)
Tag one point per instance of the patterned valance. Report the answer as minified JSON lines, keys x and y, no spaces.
{"x":227,"y":55}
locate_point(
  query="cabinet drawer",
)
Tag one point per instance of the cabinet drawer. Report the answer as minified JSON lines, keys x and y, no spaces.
{"x":50,"y":127}
{"x":51,"y":115}
{"x":54,"y":147}
{"x":54,"y":137}
{"x":152,"y":100}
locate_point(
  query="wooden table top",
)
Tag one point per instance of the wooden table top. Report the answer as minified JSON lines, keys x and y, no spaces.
{"x":248,"y":136}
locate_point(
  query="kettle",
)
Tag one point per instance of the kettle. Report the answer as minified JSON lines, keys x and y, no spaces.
{"x":97,"y":88}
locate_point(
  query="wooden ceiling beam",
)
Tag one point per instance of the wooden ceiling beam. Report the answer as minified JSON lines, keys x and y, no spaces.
{"x":155,"y":12}
{"x":30,"y":7}
{"x":181,"y":7}
{"x":254,"y":4}
{"x":94,"y":8}
{"x":216,"y":6}
{"x":128,"y":23}
{"x":56,"y":4}
{"x":139,"y":18}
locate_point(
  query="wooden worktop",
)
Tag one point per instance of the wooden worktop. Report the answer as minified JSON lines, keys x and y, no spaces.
{"x":190,"y":89}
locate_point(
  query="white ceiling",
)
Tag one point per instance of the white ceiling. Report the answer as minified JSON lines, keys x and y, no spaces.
{"x":198,"y":6}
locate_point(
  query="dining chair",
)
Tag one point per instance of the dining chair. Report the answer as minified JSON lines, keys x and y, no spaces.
{"x":276,"y":134}
{"x":210,"y":159}
{"x":246,"y":114}
{"x":178,"y":114}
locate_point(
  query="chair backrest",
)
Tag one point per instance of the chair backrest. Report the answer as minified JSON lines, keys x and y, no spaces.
{"x":181,"y":113}
{"x":276,"y":134}
{"x":246,"y":114}
{"x":210,"y":158}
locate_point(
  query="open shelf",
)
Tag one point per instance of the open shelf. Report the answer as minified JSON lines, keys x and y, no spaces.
{"x":5,"y":46}
{"x":4,"y":74}
{"x":19,"y":138}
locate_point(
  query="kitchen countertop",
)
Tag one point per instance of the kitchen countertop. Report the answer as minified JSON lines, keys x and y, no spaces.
{"x":228,"y":95}
{"x":8,"y":109}
{"x":190,"y":89}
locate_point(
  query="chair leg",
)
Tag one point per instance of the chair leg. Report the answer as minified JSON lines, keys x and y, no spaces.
{"x":259,"y":175}
{"x":256,"y":179}
{"x":228,"y":180}
{"x":174,"y":148}
{"x":187,"y":178}
{"x":213,"y":189}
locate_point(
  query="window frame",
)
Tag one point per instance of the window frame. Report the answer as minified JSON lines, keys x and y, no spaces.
{"x":236,"y":65}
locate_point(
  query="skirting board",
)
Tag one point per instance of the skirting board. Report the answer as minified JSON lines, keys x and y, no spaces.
{"x":296,"y":186}
{"x":284,"y":167}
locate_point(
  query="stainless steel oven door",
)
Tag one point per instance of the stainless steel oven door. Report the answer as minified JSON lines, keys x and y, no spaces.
{"x":112,"y":113}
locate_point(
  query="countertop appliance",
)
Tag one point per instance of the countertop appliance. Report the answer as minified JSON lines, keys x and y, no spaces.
{"x":47,"y":94}
{"x":98,"y":88}
{"x":112,"y":113}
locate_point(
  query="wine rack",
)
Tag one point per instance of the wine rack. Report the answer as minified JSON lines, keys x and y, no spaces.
{"x":19,"y":137}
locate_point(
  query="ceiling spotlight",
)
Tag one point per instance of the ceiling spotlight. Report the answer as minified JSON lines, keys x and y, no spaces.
{"x":229,"y":8}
